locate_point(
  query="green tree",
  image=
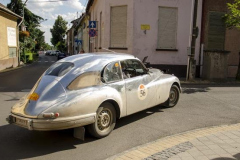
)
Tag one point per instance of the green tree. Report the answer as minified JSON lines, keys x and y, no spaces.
{"x":61,"y":46}
{"x":58,"y":31}
{"x":30,"y":19}
{"x":32,"y":22}
{"x":46,"y":46}
{"x":233,"y":20}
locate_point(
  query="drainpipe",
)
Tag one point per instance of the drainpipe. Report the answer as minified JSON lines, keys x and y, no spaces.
{"x":192,"y":62}
{"x":200,"y":62}
{"x":18,"y":40}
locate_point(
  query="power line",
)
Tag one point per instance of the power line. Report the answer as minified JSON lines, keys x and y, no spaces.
{"x":84,"y":5}
{"x":48,"y":1}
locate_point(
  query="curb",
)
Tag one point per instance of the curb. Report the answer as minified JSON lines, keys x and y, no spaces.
{"x":146,"y":150}
{"x":12,"y":69}
{"x":210,"y":83}
{"x":16,"y":68}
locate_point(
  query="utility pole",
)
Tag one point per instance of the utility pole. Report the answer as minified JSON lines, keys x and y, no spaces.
{"x":191,"y":69}
{"x":25,"y":60}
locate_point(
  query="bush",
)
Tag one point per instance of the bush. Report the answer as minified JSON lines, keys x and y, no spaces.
{"x":30,"y":57}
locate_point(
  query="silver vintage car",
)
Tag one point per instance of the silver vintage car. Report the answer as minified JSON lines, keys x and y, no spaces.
{"x":93,"y":90}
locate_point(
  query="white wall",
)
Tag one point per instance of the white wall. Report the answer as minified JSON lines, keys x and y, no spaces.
{"x":146,"y":12}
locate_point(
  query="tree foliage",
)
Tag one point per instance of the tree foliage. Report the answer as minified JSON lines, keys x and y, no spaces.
{"x":233,"y":20}
{"x":58,"y":31}
{"x":32,"y":21}
{"x":233,"y":16}
{"x":61,"y":46}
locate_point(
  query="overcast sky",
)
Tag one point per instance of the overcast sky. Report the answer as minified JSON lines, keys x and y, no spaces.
{"x":50,"y":10}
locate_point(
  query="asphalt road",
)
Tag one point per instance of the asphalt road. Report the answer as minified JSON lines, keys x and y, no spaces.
{"x":199,"y":106}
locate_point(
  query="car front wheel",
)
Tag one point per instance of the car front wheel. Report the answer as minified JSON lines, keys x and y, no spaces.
{"x":105,"y":121}
{"x":173,"y":96}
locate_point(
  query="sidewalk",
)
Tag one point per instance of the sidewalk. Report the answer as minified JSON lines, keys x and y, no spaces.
{"x":199,"y":81}
{"x":12,"y":69}
{"x":215,"y":143}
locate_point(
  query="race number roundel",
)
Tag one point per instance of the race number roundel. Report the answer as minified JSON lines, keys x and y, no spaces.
{"x":142,"y":92}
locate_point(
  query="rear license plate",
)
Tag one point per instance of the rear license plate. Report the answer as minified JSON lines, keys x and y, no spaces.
{"x":21,"y":122}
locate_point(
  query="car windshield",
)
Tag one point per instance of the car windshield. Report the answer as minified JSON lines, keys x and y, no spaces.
{"x":59,"y":69}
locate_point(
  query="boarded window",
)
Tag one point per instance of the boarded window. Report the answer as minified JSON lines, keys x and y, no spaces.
{"x":167,"y":28}
{"x":119,"y":26}
{"x":12,"y":52}
{"x":216,"y":31}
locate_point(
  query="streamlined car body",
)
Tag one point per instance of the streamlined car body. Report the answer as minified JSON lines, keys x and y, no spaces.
{"x":93,"y":90}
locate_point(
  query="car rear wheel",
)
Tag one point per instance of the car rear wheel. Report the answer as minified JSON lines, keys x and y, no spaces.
{"x":105,"y":121}
{"x":173,"y":96}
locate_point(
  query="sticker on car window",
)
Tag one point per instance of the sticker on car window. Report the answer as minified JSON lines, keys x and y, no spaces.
{"x":142,"y":92}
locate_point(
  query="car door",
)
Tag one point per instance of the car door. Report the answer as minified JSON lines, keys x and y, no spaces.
{"x":112,"y":77}
{"x":139,"y":85}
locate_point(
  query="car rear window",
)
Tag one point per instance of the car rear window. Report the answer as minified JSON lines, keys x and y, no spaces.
{"x":59,"y":69}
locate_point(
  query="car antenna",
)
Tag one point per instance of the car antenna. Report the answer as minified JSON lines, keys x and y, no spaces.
{"x":109,"y":50}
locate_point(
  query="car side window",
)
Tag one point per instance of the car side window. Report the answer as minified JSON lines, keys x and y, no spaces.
{"x":112,"y":72}
{"x":132,"y":68}
{"x":87,"y":79}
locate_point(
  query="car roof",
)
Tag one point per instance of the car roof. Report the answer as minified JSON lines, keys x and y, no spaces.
{"x":95,"y":61}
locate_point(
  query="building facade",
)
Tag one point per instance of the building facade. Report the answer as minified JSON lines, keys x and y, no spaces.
{"x":159,"y":29}
{"x":83,"y":37}
{"x":9,"y":35}
{"x":215,"y":36}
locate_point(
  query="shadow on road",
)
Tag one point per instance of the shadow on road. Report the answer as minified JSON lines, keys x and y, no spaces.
{"x":11,"y":96}
{"x":236,"y":156}
{"x":138,"y":116}
{"x":20,"y":143}
{"x":194,"y":90}
{"x":190,"y":89}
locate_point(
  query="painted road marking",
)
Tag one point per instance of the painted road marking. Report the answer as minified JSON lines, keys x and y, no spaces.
{"x":26,"y":90}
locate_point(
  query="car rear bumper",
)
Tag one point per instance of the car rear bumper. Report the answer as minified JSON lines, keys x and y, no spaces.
{"x":51,"y":124}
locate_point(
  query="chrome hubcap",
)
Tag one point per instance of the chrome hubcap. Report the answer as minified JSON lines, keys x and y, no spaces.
{"x":173,"y":96}
{"x":104,"y":119}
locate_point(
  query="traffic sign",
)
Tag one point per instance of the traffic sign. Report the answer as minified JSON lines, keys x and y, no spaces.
{"x":92,"y":24}
{"x":92,"y":33}
{"x":78,"y":41}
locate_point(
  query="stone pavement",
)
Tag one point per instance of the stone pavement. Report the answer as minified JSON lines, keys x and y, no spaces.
{"x":215,"y":143}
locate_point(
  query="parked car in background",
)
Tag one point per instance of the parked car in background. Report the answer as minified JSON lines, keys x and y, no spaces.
{"x":61,"y":55}
{"x":57,"y":52}
{"x":54,"y":53}
{"x":93,"y":90}
{"x":48,"y":53}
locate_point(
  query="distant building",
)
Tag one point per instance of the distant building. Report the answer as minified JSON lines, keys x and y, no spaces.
{"x":9,"y":34}
{"x":70,"y":41}
{"x":83,"y":36}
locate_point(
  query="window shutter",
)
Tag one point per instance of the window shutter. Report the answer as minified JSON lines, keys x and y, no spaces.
{"x":167,"y":28}
{"x":216,"y":31}
{"x":119,"y":26}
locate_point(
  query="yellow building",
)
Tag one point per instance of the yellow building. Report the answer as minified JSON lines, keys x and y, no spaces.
{"x":9,"y":33}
